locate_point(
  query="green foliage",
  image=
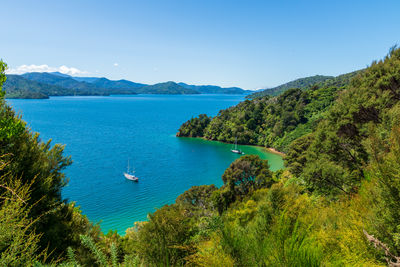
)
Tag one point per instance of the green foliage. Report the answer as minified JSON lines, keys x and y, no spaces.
{"x":197,"y":198}
{"x":246,"y":174}
{"x":18,"y":240}
{"x":271,"y":122}
{"x":38,"y":166}
{"x":316,"y":214}
{"x":3,"y":78}
{"x":307,"y":83}
{"x":337,"y":154}
{"x":295,"y":158}
{"x":91,"y":245}
{"x":100,"y":257}
{"x":302,"y":83}
{"x":386,"y":172}
{"x":194,"y":127}
{"x":71,"y":257}
{"x":164,"y":239}
{"x":274,"y":235}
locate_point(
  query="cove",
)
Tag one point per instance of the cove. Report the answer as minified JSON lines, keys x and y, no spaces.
{"x":102,"y":133}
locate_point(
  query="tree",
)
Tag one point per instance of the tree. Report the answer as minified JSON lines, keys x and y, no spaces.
{"x":39,"y":165}
{"x":163,"y":239}
{"x":246,"y":174}
{"x":385,"y":168}
{"x":18,"y":240}
{"x":197,"y":198}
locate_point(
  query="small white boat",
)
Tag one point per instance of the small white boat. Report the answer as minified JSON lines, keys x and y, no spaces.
{"x":236,"y":150}
{"x":131,"y":175}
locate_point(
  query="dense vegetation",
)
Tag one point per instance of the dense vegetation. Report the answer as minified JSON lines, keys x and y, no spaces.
{"x":301,"y":83}
{"x":35,"y":222}
{"x":194,"y":127}
{"x":19,"y":87}
{"x":342,"y":177}
{"x":336,"y":203}
{"x":271,"y":121}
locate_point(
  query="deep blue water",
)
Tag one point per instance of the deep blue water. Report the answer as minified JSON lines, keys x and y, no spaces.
{"x":102,"y":133}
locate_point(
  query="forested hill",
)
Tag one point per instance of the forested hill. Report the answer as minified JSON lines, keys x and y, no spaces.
{"x":307,"y":83}
{"x":271,"y":121}
{"x":166,"y":88}
{"x":213,"y":89}
{"x":62,"y":81}
{"x":266,"y":121}
{"x":19,"y":87}
{"x":301,"y":83}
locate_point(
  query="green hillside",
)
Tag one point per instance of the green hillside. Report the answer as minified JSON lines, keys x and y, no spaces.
{"x":301,"y":83}
{"x":267,"y":121}
{"x":75,"y":87}
{"x":19,"y":87}
{"x":271,"y":121}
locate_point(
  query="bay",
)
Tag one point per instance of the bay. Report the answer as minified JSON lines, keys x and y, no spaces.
{"x":102,"y":133}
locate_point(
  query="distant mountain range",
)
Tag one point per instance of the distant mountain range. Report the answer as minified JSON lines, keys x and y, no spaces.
{"x":166,"y":88}
{"x":44,"y":84}
{"x":212,"y":89}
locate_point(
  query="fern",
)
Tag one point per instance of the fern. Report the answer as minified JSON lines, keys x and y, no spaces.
{"x":99,"y":255}
{"x":114,"y":255}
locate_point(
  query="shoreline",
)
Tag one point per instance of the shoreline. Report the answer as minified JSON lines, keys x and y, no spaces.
{"x":268,"y":149}
{"x":274,"y":151}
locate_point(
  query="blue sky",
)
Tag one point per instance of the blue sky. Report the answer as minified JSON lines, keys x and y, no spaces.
{"x":250,"y":44}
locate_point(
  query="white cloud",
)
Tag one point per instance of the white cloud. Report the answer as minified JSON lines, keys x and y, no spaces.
{"x":115,"y":64}
{"x":46,"y":68}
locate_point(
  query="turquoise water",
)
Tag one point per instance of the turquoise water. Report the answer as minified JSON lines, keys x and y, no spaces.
{"x":102,"y":133}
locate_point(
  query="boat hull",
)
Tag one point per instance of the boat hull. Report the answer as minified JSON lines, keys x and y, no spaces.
{"x":131,"y":177}
{"x":236,"y":151}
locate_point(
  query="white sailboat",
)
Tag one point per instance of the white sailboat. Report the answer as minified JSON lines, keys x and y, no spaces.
{"x":236,"y":150}
{"x":130,"y":175}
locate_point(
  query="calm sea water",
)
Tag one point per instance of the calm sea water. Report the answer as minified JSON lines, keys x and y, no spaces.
{"x":102,"y":133}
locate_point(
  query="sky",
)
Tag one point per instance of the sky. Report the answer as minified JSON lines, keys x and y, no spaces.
{"x":249,"y":44}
